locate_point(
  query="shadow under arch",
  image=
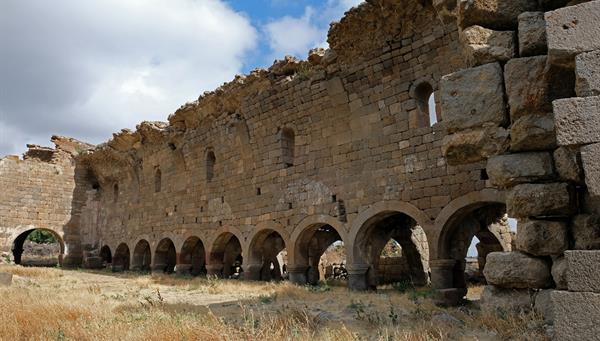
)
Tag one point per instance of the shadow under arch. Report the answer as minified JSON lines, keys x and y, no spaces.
{"x":192,"y":258}
{"x":165,"y":256}
{"x":264,"y":261}
{"x":225,"y":256}
{"x":142,"y":256}
{"x":121,"y":258}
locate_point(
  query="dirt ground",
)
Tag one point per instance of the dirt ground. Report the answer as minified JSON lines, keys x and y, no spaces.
{"x":56,"y":304}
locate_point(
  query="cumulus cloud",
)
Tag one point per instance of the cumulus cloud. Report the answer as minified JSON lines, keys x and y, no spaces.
{"x":296,"y":35}
{"x":89,"y":68}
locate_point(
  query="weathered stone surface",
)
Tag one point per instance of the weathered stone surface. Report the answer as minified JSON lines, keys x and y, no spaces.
{"x":590,"y":158}
{"x":542,"y":237}
{"x":495,"y":14}
{"x":472,"y":97}
{"x":567,"y":164}
{"x":502,"y":301}
{"x":577,"y":120}
{"x":527,"y":86}
{"x":572,"y":30}
{"x":583,"y":272}
{"x":587,"y":72}
{"x":585,"y":229}
{"x":576,"y":315}
{"x":511,"y":169}
{"x":532,"y":34}
{"x":543,"y":305}
{"x":5,"y":279}
{"x":517,"y":270}
{"x":533,"y":132}
{"x":559,"y":273}
{"x":482,"y":45}
{"x":539,"y":200}
{"x":476,"y":145}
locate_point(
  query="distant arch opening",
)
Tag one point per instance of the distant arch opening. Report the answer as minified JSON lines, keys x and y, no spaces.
{"x":165,"y":257}
{"x":157,"y":180}
{"x":321,"y":250}
{"x":192,"y":257}
{"x":211,"y":161}
{"x":38,"y":247}
{"x":121,"y":258}
{"x":226,"y":256}
{"x":142,"y":256}
{"x":116,"y":192}
{"x":427,"y":113}
{"x":106,"y":256}
{"x":267,"y":248}
{"x":287,"y":140}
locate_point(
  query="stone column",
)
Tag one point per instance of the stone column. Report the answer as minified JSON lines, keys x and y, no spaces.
{"x":252,"y":271}
{"x":214,"y":269}
{"x":357,"y":276}
{"x":297,"y":274}
{"x":442,"y":273}
{"x":183,"y":269}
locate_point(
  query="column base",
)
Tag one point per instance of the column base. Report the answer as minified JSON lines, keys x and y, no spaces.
{"x":183,"y":269}
{"x":357,"y":277}
{"x":297,"y":274}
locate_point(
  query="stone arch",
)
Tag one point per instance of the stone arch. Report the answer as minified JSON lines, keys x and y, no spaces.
{"x":121,"y":258}
{"x":106,"y":255}
{"x":266,"y":243}
{"x":21,"y":234}
{"x":192,"y":258}
{"x":142,"y":256}
{"x":211,"y":161}
{"x":372,"y":230}
{"x":225,"y":256}
{"x":422,"y":91}
{"x":165,"y":256}
{"x":310,"y":239}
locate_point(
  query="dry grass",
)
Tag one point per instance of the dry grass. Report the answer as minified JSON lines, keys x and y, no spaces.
{"x":52,"y":304}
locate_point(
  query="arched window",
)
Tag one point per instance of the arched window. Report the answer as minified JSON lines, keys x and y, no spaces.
{"x":424,"y":97}
{"x":287,"y":140}
{"x":211,"y":160}
{"x":116,"y":192}
{"x":157,"y":180}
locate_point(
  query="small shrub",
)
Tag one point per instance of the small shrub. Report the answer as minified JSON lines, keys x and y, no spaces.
{"x":41,"y":237}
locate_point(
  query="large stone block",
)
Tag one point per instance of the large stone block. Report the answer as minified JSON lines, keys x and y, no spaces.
{"x":527,"y":86}
{"x":495,"y":14}
{"x":482,"y":45}
{"x":576,"y":315}
{"x":559,"y":273}
{"x":590,"y":158}
{"x":472,"y":97}
{"x":572,"y":30}
{"x":583,"y":272}
{"x":511,"y":169}
{"x":566,"y":161}
{"x":539,"y":200}
{"x":517,"y":270}
{"x":532,"y":34}
{"x":587,"y":73}
{"x":542,"y":237}
{"x":533,"y":132}
{"x":585,"y":230}
{"x":577,"y":120}
{"x":502,"y":301}
{"x":543,"y":305}
{"x":474,"y":146}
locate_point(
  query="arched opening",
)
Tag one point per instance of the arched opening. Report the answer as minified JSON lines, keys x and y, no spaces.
{"x":142,"y":257}
{"x":211,"y":160}
{"x":116,"y":192}
{"x":121,"y":258}
{"x":226,"y":256}
{"x":287,"y":140}
{"x":192,"y":258}
{"x":157,"y":180}
{"x":406,"y":258}
{"x":267,"y":249}
{"x":321,"y":255}
{"x":38,"y":247}
{"x":165,"y":257}
{"x":106,"y":256}
{"x":426,"y":111}
{"x":468,"y":237}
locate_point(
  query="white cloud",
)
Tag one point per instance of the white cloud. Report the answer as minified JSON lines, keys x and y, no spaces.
{"x":297,"y":35}
{"x":89,"y":68}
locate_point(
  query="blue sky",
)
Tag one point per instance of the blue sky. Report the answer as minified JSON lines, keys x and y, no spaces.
{"x":86,"y":69}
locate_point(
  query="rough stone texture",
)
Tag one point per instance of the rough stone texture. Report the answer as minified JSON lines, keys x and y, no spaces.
{"x":472,"y":97}
{"x":532,"y":34}
{"x":482,"y":45}
{"x":576,"y":315}
{"x":508,"y":170}
{"x":517,"y":270}
{"x":583,"y":272}
{"x":590,"y":158}
{"x":533,"y":132}
{"x":567,"y":164}
{"x":539,"y":200}
{"x":559,"y":273}
{"x":577,"y":120}
{"x":495,"y":14}
{"x":543,"y":305}
{"x":474,"y":146}
{"x":502,"y":301}
{"x":5,"y":279}
{"x":586,"y":232}
{"x":542,"y":237}
{"x":572,"y":30}
{"x":587,"y":73}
